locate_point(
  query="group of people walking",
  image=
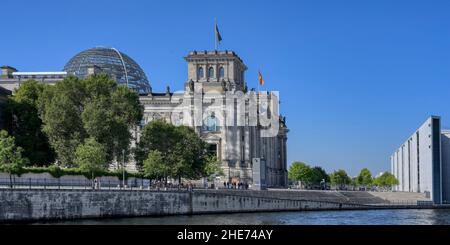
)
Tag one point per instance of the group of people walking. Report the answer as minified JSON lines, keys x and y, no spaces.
{"x":235,"y":185}
{"x":96,"y":185}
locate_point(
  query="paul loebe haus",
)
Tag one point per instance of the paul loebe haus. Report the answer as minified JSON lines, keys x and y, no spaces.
{"x":422,"y":163}
{"x":247,"y":152}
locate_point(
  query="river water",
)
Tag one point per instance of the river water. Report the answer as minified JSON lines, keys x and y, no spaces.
{"x":365,"y":217}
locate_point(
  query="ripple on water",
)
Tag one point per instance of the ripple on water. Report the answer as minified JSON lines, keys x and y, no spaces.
{"x":360,"y":217}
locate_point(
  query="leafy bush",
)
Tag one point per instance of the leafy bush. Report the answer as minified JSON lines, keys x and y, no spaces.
{"x":58,"y":172}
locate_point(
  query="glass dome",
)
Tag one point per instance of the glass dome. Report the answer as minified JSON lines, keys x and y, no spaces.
{"x":116,"y":64}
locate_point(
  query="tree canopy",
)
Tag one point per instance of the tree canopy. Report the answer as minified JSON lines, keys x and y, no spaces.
{"x":91,"y":157}
{"x":364,"y":178}
{"x":300,"y":171}
{"x":385,"y":180}
{"x":75,"y":109}
{"x":23,"y":122}
{"x":11,"y":156}
{"x":213,"y":168}
{"x":154,"y":166}
{"x":340,"y":177}
{"x":180,"y":148}
{"x":318,"y":174}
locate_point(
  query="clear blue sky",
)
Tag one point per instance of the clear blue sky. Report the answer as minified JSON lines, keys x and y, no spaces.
{"x":356,"y":78}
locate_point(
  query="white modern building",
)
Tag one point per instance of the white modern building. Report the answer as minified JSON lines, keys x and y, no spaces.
{"x":422,"y":162}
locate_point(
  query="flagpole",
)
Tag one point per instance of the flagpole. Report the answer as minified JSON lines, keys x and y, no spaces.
{"x":259,"y":81}
{"x":215,"y":34}
{"x":258,"y":99}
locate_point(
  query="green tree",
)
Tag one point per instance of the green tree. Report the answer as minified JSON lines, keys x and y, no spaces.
{"x":364,"y":178}
{"x":126,"y":106}
{"x":127,"y":114}
{"x":386,"y":180}
{"x":11,"y":159}
{"x":300,"y":171}
{"x":318,"y":174}
{"x":60,"y":108}
{"x":354,"y":181}
{"x":156,"y":135}
{"x":182,"y":149}
{"x":154,"y":167}
{"x":90,"y":157}
{"x":213,"y":167}
{"x":97,"y":107}
{"x":24,"y":123}
{"x":110,"y":112}
{"x":340,"y":178}
{"x":64,"y":128}
{"x":189,"y":154}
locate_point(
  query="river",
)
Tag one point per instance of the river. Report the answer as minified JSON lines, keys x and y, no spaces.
{"x":365,"y":217}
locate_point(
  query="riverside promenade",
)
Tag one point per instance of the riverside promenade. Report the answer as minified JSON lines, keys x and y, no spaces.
{"x":28,"y":205}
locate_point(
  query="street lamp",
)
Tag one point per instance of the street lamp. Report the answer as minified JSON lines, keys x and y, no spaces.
{"x":123,"y":168}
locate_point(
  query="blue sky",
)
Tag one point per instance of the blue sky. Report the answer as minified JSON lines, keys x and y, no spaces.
{"x":356,"y":78}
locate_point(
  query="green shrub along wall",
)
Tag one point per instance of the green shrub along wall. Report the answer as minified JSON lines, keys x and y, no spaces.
{"x":57,"y":172}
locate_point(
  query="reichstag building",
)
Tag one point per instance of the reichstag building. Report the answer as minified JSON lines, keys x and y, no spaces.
{"x":243,"y":128}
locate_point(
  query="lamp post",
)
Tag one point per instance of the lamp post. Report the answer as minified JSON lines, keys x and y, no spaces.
{"x":123,"y":168}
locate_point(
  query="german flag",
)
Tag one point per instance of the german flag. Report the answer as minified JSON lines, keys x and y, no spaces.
{"x":261,"y":79}
{"x":218,"y":36}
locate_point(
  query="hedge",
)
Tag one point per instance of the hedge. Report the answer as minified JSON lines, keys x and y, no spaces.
{"x":57,"y":172}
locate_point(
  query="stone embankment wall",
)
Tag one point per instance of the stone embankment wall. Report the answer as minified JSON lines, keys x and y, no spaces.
{"x":36,"y":204}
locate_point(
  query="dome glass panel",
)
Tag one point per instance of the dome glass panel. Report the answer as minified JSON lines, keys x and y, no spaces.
{"x":114,"y":63}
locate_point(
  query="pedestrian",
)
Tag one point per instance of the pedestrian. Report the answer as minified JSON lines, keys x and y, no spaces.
{"x":224,"y":184}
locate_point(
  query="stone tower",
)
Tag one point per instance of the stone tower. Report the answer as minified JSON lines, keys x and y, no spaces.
{"x":219,"y":71}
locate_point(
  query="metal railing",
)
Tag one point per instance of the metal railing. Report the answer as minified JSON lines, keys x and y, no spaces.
{"x":80,"y":184}
{"x":148,"y":185}
{"x":56,"y":183}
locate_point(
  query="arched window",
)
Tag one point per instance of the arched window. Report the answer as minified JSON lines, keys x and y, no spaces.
{"x":200,"y":73}
{"x":210,"y":123}
{"x":221,"y":72}
{"x":211,"y":72}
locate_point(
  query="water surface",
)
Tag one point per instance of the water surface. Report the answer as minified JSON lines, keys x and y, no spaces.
{"x":359,"y":217}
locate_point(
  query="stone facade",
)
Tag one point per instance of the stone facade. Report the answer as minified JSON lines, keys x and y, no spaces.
{"x":213,"y":77}
{"x":215,"y":84}
{"x":11,"y":78}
